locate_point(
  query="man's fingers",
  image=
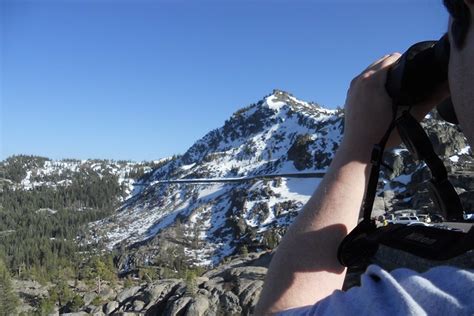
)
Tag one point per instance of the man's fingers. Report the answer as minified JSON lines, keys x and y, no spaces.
{"x":376,"y":62}
{"x":388,"y":61}
{"x":382,"y":61}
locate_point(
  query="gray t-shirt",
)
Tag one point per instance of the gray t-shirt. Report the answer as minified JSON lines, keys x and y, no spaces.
{"x":441,"y":290}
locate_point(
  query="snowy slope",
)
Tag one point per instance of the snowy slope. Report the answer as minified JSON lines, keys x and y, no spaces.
{"x":202,"y":223}
{"x":44,"y":172}
{"x":279,"y":134}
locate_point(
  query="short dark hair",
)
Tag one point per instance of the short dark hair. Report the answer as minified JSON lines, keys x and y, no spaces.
{"x":461,"y":20}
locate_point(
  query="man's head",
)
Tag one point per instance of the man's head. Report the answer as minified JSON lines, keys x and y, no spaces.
{"x":461,"y":63}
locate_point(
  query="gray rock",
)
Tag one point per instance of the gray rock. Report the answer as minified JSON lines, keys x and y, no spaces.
{"x":106,"y":293}
{"x":181,"y":289}
{"x":89,"y":297}
{"x":229,"y":302}
{"x":89,"y":308}
{"x":198,"y":306}
{"x":138,"y":305}
{"x":157,"y":292}
{"x":250,"y":295}
{"x":215,"y":284}
{"x":98,"y":311}
{"x":203,"y":292}
{"x":201,"y":280}
{"x":252,"y":273}
{"x":31,"y":288}
{"x":127,"y":293}
{"x":177,"y":306}
{"x":110,"y":307}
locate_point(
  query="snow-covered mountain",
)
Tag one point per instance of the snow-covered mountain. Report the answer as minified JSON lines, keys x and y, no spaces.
{"x":168,"y":222}
{"x":32,"y":172}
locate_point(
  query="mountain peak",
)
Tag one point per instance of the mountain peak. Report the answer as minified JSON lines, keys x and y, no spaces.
{"x":277,"y":92}
{"x":279,"y":98}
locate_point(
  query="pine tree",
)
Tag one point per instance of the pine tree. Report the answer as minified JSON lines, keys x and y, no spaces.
{"x":191,"y":283}
{"x":244,"y":251}
{"x":8,"y":298}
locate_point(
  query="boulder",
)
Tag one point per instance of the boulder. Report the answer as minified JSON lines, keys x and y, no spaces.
{"x":249,"y":272}
{"x":106,"y":293}
{"x":89,"y":297}
{"x":229,"y":302}
{"x":177,"y":307}
{"x":198,"y":306}
{"x":110,"y":307}
{"x":127,"y":293}
{"x":213,"y":284}
{"x":98,"y":311}
{"x":158,"y":291}
{"x":138,"y":305}
{"x":250,"y":295}
{"x":201,"y":280}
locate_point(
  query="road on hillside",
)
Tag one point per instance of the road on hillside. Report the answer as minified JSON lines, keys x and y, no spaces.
{"x":240,"y":179}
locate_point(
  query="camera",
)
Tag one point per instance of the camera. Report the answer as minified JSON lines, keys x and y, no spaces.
{"x":417,"y":75}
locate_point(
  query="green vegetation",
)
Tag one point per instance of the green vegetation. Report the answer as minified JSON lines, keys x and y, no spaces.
{"x":39,"y":227}
{"x":15,"y":168}
{"x":191,"y":283}
{"x":8,"y":298}
{"x":97,"y":269}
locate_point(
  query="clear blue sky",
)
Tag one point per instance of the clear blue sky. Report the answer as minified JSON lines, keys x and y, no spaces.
{"x":143,"y":80}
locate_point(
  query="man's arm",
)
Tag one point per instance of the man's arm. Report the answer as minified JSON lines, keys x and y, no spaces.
{"x":305,"y":268}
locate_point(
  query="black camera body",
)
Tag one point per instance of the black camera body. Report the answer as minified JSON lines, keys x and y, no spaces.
{"x":419,"y":72}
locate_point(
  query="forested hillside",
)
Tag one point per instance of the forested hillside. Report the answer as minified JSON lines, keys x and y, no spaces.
{"x":45,"y":204}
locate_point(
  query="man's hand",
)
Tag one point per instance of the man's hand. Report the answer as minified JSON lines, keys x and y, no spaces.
{"x":368,"y":108}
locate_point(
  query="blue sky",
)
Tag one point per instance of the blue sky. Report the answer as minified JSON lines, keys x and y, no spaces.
{"x":142,"y":80}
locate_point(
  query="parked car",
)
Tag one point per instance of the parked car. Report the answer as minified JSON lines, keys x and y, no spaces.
{"x":406,"y":220}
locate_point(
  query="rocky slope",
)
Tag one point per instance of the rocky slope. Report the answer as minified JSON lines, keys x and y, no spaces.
{"x":232,"y":288}
{"x":203,"y":223}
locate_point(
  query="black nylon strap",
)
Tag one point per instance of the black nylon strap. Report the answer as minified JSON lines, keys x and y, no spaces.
{"x":420,"y":146}
{"x":376,"y":160}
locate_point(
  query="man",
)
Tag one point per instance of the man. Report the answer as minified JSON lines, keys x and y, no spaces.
{"x":305,"y":276}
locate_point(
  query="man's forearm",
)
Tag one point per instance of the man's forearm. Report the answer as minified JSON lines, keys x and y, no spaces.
{"x":305,"y":269}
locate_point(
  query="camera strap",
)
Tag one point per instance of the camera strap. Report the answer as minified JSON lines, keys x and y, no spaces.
{"x":419,"y":145}
{"x":428,"y":242}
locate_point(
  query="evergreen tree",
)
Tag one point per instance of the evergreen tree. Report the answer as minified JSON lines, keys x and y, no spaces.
{"x":191,"y":283}
{"x":8,"y":298}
